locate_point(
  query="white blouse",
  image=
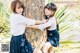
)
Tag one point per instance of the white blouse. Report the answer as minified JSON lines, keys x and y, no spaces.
{"x":18,"y":24}
{"x":51,"y":23}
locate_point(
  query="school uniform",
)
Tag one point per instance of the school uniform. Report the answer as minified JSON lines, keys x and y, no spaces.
{"x":52,"y":32}
{"x":19,"y":43}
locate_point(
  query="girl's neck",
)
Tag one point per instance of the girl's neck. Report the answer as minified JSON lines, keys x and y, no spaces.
{"x":17,"y":13}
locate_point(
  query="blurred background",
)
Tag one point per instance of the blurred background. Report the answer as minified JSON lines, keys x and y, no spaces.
{"x":68,"y":16}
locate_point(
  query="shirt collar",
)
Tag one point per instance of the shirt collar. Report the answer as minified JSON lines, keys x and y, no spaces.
{"x":52,"y":18}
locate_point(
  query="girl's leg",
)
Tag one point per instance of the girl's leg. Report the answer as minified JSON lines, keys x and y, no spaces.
{"x":51,"y":50}
{"x":46,"y":47}
{"x":37,"y":51}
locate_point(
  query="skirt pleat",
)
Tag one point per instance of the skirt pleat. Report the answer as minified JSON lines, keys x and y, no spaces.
{"x":19,"y":44}
{"x":53,"y":37}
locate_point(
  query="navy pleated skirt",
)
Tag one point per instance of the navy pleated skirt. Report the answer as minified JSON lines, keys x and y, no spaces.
{"x":53,"y":37}
{"x":19,"y":44}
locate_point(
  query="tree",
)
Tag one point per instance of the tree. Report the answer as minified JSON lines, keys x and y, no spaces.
{"x":34,"y":10}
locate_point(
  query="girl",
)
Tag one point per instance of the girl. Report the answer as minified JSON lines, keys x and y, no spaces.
{"x":19,"y":43}
{"x":51,"y":26}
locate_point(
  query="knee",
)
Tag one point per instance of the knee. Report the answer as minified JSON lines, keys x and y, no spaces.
{"x":37,"y":51}
{"x":47,"y":45}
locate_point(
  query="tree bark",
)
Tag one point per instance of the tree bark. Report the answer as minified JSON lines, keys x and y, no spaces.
{"x":34,"y":10}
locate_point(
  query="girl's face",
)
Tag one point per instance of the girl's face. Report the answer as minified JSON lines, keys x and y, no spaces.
{"x":19,"y":9}
{"x":48,"y":12}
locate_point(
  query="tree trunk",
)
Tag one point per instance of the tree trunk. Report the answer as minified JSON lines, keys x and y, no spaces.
{"x":34,"y":10}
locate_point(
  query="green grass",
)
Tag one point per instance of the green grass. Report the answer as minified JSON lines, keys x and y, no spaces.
{"x":68,"y":47}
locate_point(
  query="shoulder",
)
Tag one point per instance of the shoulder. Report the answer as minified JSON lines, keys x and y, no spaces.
{"x":11,"y":15}
{"x":52,"y":20}
{"x":14,"y":16}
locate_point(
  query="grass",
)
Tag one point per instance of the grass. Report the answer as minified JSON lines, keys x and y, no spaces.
{"x":68,"y":47}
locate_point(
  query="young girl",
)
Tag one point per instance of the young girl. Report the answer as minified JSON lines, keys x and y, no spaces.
{"x":51,"y":26}
{"x":19,"y":43}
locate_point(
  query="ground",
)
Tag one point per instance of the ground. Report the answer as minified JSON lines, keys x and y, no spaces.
{"x":69,"y":48}
{"x":66,"y":48}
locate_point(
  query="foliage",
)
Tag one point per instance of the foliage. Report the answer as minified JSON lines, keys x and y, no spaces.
{"x":4,"y":22}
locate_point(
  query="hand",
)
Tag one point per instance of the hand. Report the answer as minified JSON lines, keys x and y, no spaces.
{"x":44,"y":21}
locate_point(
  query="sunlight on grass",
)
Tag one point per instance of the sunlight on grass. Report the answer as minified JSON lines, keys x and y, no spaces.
{"x":68,"y":48}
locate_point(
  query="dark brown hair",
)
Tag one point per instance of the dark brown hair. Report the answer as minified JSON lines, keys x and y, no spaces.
{"x":13,"y":6}
{"x":52,"y":7}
